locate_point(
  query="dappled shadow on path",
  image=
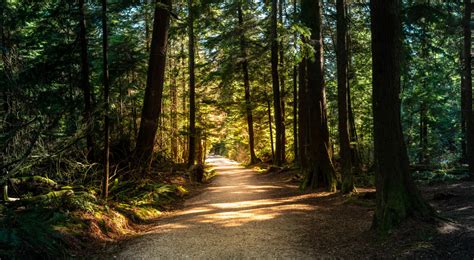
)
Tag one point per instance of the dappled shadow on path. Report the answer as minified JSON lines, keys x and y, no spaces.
{"x":237,"y":198}
{"x":246,"y":215}
{"x":238,"y":216}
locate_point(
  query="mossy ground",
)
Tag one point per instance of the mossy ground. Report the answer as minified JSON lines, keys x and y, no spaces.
{"x":81,"y":223}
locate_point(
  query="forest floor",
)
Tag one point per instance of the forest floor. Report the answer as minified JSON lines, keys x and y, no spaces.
{"x":245,"y":214}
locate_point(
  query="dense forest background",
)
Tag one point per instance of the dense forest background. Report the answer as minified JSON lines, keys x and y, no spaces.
{"x":71,"y":69}
{"x":44,"y":103}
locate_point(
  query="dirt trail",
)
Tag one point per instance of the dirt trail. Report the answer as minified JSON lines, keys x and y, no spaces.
{"x":246,"y":215}
{"x":239,"y":216}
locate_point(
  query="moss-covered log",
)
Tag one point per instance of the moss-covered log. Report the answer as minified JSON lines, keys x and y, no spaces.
{"x":33,"y":184}
{"x":45,"y":198}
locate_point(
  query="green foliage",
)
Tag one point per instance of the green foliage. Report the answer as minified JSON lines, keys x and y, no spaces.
{"x":440,"y":176}
{"x":145,"y":192}
{"x":31,"y":233}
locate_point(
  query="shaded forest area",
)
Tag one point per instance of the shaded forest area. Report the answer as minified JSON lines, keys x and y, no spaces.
{"x":110,"y":108}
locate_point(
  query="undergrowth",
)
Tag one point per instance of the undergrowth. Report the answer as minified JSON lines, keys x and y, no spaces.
{"x":64,"y":226}
{"x":440,"y":176}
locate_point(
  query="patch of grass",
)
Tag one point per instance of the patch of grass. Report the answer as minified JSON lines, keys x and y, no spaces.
{"x":138,"y":213}
{"x":260,"y":169}
{"x":210,"y":174}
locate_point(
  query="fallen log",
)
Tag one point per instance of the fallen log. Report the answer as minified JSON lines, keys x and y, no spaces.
{"x":33,"y":184}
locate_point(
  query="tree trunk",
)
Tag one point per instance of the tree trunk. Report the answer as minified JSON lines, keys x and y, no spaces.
{"x":269,"y":110}
{"x":151,"y":111}
{"x":355,"y":150}
{"x":85,"y":84}
{"x":276,"y":86}
{"x":321,"y":170}
{"x":105,"y":61}
{"x":469,"y":115}
{"x":185,"y":138}
{"x":281,"y":74}
{"x":423,"y":155}
{"x":200,"y":152}
{"x":192,"y":87}
{"x":147,"y":6}
{"x":295,"y":113}
{"x":174,"y":111}
{"x":397,"y":196}
{"x":245,"y":70}
{"x":343,"y":101}
{"x":463,"y":111}
{"x":303,"y":116}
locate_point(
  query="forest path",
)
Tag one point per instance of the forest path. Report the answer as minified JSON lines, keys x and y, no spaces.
{"x":241,"y":215}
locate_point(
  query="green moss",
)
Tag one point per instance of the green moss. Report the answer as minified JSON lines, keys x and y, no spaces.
{"x":138,"y":213}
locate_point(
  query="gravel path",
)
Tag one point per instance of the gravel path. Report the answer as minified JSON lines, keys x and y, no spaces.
{"x":239,"y":216}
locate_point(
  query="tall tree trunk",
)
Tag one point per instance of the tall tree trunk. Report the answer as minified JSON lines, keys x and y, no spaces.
{"x":423,"y":149}
{"x":397,"y":196}
{"x":295,"y":113}
{"x":183,"y":103}
{"x":276,"y":86}
{"x":105,"y":61}
{"x":469,"y":116}
{"x":269,"y":111}
{"x":85,"y":84}
{"x":355,"y":150}
{"x":174,"y":111}
{"x":463,"y":110}
{"x":303,"y":116}
{"x":200,"y":149}
{"x":321,"y":170}
{"x":151,"y":111}
{"x":343,"y":101}
{"x":192,"y":88}
{"x":282,"y":75}
{"x":245,"y":70}
{"x":295,"y":93}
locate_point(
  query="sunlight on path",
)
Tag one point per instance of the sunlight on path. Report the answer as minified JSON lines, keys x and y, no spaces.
{"x":238,"y":216}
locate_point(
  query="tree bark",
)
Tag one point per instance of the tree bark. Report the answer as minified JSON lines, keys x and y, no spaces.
{"x":105,"y":61}
{"x":276,"y":86}
{"x":469,"y":115}
{"x":151,"y":111}
{"x":302,"y":116}
{"x":343,"y":100}
{"x":269,"y":110}
{"x":147,"y":24}
{"x":245,"y":71}
{"x":295,"y":113}
{"x":423,"y":155}
{"x":281,"y":74}
{"x":85,"y":84}
{"x":355,"y":150}
{"x":174,"y":111}
{"x":397,"y":196}
{"x":321,"y":170}
{"x":295,"y":93}
{"x":463,"y":111}
{"x":185,"y":140}
{"x":192,"y":88}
